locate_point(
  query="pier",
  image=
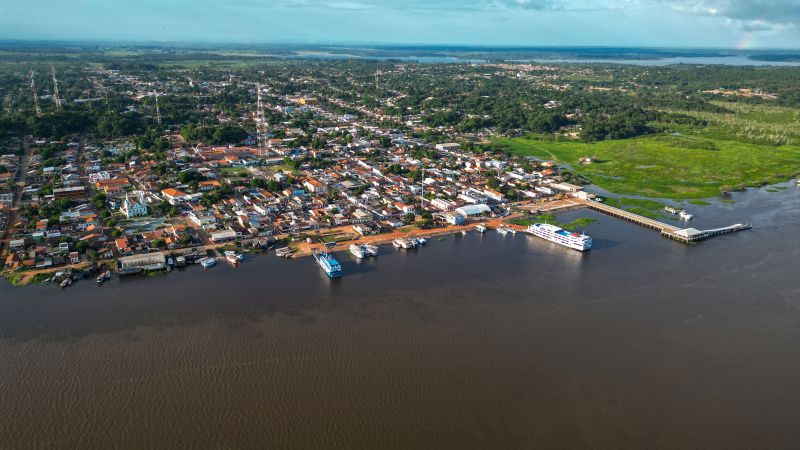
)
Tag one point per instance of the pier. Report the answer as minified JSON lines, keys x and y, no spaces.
{"x":684,"y":235}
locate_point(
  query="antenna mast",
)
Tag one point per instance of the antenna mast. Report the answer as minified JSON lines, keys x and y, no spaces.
{"x":261,"y":123}
{"x":158,"y":112}
{"x":55,"y":88}
{"x":35,"y":97}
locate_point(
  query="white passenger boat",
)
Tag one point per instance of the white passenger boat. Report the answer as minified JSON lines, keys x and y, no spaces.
{"x":372,"y":250}
{"x":685,"y":215}
{"x":357,"y":251}
{"x":552,"y":233}
{"x":480,"y":228}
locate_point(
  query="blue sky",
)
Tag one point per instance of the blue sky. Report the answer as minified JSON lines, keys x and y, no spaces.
{"x":677,"y":23}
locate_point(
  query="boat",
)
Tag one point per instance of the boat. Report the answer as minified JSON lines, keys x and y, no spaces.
{"x":208,"y":262}
{"x":233,"y":257}
{"x":552,"y":233}
{"x":404,"y":243}
{"x":480,"y":228}
{"x":422,"y":241}
{"x":463,"y":232}
{"x":685,"y":215}
{"x":512,"y":231}
{"x":329,"y":264}
{"x":357,"y":251}
{"x":671,"y":210}
{"x":372,"y":250}
{"x":66,"y":282}
{"x":502,"y":231}
{"x":104,"y":276}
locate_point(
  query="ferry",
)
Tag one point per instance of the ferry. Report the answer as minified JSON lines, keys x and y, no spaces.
{"x":372,"y":250}
{"x":552,"y":233}
{"x":208,"y":262}
{"x":685,"y":215}
{"x":329,"y":264}
{"x":480,"y":228}
{"x":357,"y":251}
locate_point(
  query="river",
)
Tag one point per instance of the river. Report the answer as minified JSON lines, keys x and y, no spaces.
{"x":469,"y":342}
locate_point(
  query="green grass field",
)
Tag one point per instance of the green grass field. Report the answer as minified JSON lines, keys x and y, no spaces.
{"x":669,"y":166}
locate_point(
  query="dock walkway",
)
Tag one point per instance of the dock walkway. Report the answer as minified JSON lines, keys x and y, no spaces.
{"x":685,"y":235}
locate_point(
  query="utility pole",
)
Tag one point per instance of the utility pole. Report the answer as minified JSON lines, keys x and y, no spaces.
{"x":7,"y":103}
{"x":422,"y":191}
{"x":35,"y":96}
{"x":55,"y":88}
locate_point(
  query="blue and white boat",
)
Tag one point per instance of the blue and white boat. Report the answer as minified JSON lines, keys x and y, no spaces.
{"x":208,"y":262}
{"x":552,"y":233}
{"x":329,"y":264}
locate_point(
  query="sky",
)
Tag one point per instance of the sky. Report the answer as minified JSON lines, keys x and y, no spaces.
{"x":742,"y":24}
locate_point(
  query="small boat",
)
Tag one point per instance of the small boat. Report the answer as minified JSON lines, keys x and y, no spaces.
{"x":233,"y":257}
{"x":685,"y":215}
{"x":170,"y":262}
{"x":463,"y":232}
{"x":208,"y":262}
{"x":104,"y":276}
{"x":480,"y":228}
{"x":422,"y":241}
{"x":404,"y":243}
{"x":671,"y":210}
{"x":357,"y":251}
{"x":372,"y":250}
{"x":502,"y":231}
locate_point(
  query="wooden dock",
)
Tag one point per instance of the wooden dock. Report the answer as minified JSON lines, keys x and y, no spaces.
{"x":684,"y":235}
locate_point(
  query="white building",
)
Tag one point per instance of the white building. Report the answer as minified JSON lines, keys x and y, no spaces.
{"x":136,"y":207}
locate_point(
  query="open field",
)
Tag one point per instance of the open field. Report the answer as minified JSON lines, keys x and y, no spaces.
{"x":676,"y":167}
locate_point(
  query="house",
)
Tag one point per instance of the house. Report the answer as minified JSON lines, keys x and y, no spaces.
{"x":315,"y":186}
{"x":174,"y":196}
{"x":136,"y":207}
{"x":442,"y":204}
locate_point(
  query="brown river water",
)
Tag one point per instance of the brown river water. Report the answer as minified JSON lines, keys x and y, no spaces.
{"x":469,"y":342}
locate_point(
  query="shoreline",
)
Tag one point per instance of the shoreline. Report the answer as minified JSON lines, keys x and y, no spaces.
{"x":304,"y":249}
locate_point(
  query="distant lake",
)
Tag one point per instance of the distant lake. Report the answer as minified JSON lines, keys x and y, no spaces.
{"x":699,"y":60}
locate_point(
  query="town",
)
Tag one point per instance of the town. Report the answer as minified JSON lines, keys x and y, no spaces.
{"x":85,"y":202}
{"x":103,"y":164}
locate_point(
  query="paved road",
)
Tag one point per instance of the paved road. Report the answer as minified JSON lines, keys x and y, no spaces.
{"x":21,"y":177}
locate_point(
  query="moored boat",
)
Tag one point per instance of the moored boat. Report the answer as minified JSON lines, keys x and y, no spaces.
{"x":104,"y":276}
{"x":357,"y":251}
{"x":208,"y":262}
{"x":372,"y":250}
{"x":552,"y":233}
{"x":685,"y":215}
{"x":329,"y":264}
{"x":480,"y":228}
{"x":233,"y":257}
